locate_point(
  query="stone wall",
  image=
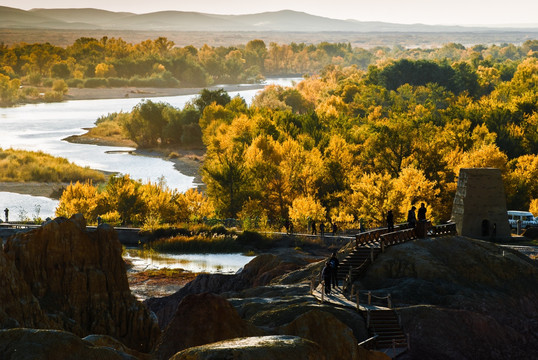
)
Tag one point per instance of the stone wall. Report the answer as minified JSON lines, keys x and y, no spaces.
{"x":479,"y":208}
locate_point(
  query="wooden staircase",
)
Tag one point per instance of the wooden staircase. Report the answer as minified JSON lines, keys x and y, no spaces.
{"x":386,"y":325}
{"x":358,"y":261}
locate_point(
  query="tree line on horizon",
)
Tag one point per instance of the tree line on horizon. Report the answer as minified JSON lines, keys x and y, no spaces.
{"x":348,"y":145}
{"x":113,"y":62}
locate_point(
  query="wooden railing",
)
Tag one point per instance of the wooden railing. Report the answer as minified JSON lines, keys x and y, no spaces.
{"x":397,"y":237}
{"x":369,"y":343}
{"x":369,"y":298}
{"x":444,"y":229}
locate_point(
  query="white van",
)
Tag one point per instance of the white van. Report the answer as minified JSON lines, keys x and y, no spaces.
{"x":526,"y":218}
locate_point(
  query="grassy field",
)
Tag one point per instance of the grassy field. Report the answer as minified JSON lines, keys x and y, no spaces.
{"x":31,"y":166}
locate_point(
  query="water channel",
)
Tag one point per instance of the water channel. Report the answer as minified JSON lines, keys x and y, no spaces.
{"x":142,"y":260}
{"x":41,"y":127}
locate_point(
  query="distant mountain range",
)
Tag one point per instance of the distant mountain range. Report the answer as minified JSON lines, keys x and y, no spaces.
{"x":284,"y":21}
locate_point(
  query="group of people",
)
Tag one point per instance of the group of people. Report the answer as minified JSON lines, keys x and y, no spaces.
{"x":330,"y":274}
{"x":411,"y":217}
{"x":322,"y":228}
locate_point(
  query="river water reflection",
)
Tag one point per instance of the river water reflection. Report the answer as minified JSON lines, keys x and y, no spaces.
{"x":208,"y":263}
{"x":41,"y":127}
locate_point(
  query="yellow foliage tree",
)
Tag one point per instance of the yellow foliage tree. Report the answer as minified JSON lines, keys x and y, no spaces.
{"x":79,"y":198}
{"x":305,"y":209}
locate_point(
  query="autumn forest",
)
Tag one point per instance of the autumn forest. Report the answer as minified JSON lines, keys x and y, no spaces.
{"x":365,"y":131}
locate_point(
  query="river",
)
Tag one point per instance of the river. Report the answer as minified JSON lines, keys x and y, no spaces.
{"x":41,"y":127}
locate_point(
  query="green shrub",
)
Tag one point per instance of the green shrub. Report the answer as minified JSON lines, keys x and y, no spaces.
{"x":47,"y":82}
{"x":95,"y":83}
{"x":117,"y":82}
{"x":73,"y":83}
{"x":252,"y":239}
{"x":53,"y":96}
{"x":219,"y":230}
{"x":197,"y":244}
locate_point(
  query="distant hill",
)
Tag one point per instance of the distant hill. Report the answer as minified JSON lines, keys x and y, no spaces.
{"x":281,"y":21}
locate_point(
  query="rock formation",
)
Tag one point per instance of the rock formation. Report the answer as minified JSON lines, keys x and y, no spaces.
{"x":18,"y":306}
{"x":256,"y":348}
{"x":461,"y":298}
{"x":79,"y":280}
{"x":260,"y":271}
{"x":52,"y":345}
{"x":202,"y":319}
{"x":333,"y":336}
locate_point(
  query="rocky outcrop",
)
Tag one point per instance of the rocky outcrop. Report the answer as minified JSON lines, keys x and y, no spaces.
{"x":256,"y":348}
{"x":52,"y":345}
{"x":274,"y":306}
{"x":334,"y":337}
{"x":110,"y":342}
{"x":202,"y":319}
{"x":79,"y":279}
{"x":259,"y":271}
{"x":475,"y":299}
{"x":18,"y":306}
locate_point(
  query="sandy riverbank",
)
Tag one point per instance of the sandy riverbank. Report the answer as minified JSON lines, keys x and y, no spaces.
{"x":49,"y":190}
{"x":139,"y":92}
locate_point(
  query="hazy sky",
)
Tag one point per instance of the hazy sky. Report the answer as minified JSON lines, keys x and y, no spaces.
{"x":399,"y":11}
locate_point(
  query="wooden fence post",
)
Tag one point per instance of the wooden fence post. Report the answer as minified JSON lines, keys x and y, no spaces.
{"x":389,"y":302}
{"x":369,"y":298}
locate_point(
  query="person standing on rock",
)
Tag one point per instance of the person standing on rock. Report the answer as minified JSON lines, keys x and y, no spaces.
{"x":334,"y":263}
{"x":314,"y":231}
{"x":326,"y":276}
{"x":6,"y":212}
{"x":322,"y":228}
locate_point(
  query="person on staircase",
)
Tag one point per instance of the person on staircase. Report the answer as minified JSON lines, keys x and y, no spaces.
{"x":326,"y":276}
{"x":334,"y":263}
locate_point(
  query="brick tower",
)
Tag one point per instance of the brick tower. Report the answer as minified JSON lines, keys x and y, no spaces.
{"x":479,"y":208}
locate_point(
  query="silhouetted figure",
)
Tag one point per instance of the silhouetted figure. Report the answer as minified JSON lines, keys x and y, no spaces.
{"x":6,"y":212}
{"x":335,"y":229}
{"x":326,"y":275}
{"x":333,"y":264}
{"x":390,"y":221}
{"x":421,"y":215}
{"x":411,"y":218}
{"x":322,"y":229}
{"x":314,"y":231}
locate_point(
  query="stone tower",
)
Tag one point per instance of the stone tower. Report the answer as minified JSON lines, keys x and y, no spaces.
{"x":479,"y":208}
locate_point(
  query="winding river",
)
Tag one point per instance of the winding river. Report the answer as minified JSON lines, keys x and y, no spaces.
{"x":41,"y":127}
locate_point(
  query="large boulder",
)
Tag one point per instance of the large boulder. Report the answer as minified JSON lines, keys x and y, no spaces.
{"x":334,"y":337}
{"x":22,"y":344}
{"x":259,"y":271}
{"x":79,"y":279}
{"x":202,"y":319}
{"x":477,"y":299}
{"x":256,"y":348}
{"x":441,"y":333}
{"x":275,"y":306}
